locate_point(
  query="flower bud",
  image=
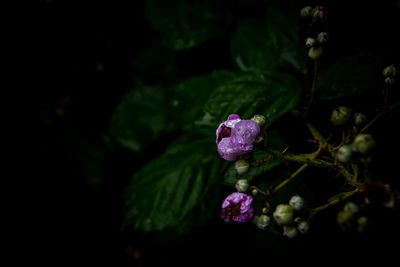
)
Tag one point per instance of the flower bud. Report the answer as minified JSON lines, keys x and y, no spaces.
{"x":317,"y":14}
{"x":310,"y":42}
{"x":254,"y":192}
{"x":344,"y":153}
{"x":341,"y":116}
{"x":242,"y":185}
{"x":242,"y":166}
{"x":260,"y":119}
{"x":283,"y":214}
{"x":297,"y":202}
{"x":262,"y":221}
{"x":303,"y":227}
{"x":322,"y":37}
{"x":390,"y":80}
{"x":350,"y":207}
{"x":360,"y":119}
{"x":345,"y":219}
{"x":362,"y":223}
{"x":290,"y":231}
{"x":305,"y":12}
{"x":315,"y":52}
{"x":364,"y":143}
{"x":390,"y":71}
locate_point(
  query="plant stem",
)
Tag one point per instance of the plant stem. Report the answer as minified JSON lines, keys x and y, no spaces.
{"x":379,"y":115}
{"x":313,"y":88}
{"x":333,"y":201}
{"x":287,"y":180}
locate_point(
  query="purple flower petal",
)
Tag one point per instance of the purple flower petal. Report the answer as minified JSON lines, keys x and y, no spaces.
{"x":233,"y":117}
{"x":244,"y":134}
{"x":227,"y":150}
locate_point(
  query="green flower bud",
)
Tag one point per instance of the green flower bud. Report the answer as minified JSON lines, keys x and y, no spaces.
{"x":242,"y":185}
{"x":283,"y":214}
{"x":262,"y":221}
{"x":344,"y":153}
{"x":390,"y":80}
{"x":322,"y":37}
{"x":310,"y":42}
{"x":290,"y":231}
{"x":254,"y":192}
{"x":341,"y":116}
{"x":362,"y":223}
{"x":390,"y":71}
{"x":242,"y":166}
{"x":317,"y":14}
{"x":303,"y":227}
{"x":297,"y":202}
{"x":260,"y":119}
{"x":345,"y":219}
{"x":364,"y":143}
{"x":315,"y":52}
{"x":305,"y":12}
{"x":350,"y":207}
{"x":360,"y":119}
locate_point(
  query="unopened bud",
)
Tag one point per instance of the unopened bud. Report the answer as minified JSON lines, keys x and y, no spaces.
{"x":242,"y":185}
{"x":283,"y":214}
{"x":345,"y":219}
{"x":254,"y":192}
{"x":260,"y":119}
{"x":350,"y":207}
{"x":303,"y":227}
{"x":310,"y":42}
{"x":317,"y":14}
{"x":259,"y":139}
{"x":344,"y":153}
{"x":390,"y":71}
{"x":390,"y":80}
{"x":322,"y":37}
{"x":315,"y":52}
{"x":359,"y":119}
{"x":297,"y":202}
{"x":362,"y":223}
{"x":306,"y":11}
{"x":242,"y":166}
{"x":262,"y":221}
{"x":341,"y":116}
{"x":290,"y":231}
{"x":364,"y":143}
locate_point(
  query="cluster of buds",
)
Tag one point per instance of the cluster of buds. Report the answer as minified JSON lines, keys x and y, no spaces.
{"x":349,"y":218}
{"x":316,"y":15}
{"x":315,"y":45}
{"x":362,"y":143}
{"x":389,"y":74}
{"x":285,"y":216}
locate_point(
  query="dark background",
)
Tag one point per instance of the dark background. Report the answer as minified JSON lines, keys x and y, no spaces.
{"x":82,"y":55}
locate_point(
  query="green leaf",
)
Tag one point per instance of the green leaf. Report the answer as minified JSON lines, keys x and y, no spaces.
{"x":162,"y":193}
{"x":183,"y":24}
{"x":348,"y":76}
{"x":283,"y":27}
{"x":141,"y":117}
{"x":252,"y":48}
{"x":270,"y":94}
{"x":275,"y":143}
{"x":190,"y":95}
{"x":256,"y":169}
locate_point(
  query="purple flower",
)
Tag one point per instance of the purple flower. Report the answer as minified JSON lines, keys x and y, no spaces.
{"x":237,"y":208}
{"x":236,"y":137}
